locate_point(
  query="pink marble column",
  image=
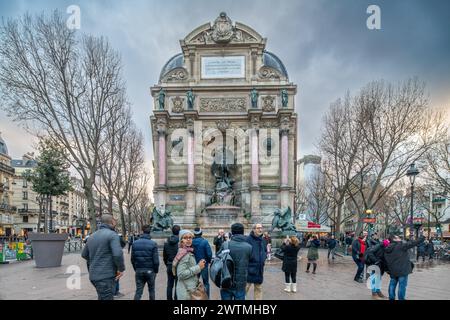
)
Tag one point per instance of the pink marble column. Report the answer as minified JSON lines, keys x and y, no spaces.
{"x":190,"y":158}
{"x":162,"y":159}
{"x":284,"y":158}
{"x":255,"y":159}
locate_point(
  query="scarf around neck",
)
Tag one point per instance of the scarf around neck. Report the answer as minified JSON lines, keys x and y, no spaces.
{"x":182,"y":251}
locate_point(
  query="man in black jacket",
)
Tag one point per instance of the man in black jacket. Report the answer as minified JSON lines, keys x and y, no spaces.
{"x":169,"y":252}
{"x":331,"y":243}
{"x":240,"y":251}
{"x":145,"y":261}
{"x":399,"y":265}
{"x":257,"y":260}
{"x":104,"y":257}
{"x":219,"y":239}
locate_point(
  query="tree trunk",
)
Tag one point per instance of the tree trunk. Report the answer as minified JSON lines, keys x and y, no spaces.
{"x":122,"y":219}
{"x":91,"y":208}
{"x":46,"y":216}
{"x":129,"y":220}
{"x":39,"y":217}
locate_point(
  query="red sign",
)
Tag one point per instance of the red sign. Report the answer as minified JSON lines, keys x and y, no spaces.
{"x":418,"y":220}
{"x":313,"y":225}
{"x":369,"y":220}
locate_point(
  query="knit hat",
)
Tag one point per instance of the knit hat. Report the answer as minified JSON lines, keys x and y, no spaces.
{"x":237,"y":228}
{"x":198,"y":231}
{"x":183,"y":232}
{"x":386,"y":242}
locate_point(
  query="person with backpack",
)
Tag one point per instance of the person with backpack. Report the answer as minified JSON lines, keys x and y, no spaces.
{"x":290,"y":249}
{"x":169,"y":252}
{"x":202,"y":251}
{"x":240,"y":252}
{"x":374,"y":256}
{"x":184,"y":266}
{"x":256,"y":264}
{"x":313,"y":245}
{"x":145,"y":261}
{"x":399,"y":265}
{"x":358,"y":249}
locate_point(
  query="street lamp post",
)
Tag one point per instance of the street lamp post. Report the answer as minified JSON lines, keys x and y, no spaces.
{"x":412,"y":173}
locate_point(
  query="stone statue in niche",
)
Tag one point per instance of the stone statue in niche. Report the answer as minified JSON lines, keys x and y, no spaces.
{"x":190,"y":99}
{"x":162,"y":99}
{"x":254,"y":98}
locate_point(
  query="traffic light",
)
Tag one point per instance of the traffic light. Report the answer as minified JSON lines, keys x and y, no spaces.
{"x":438,"y":228}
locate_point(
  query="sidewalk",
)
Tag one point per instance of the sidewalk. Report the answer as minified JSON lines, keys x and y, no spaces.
{"x":334,"y":280}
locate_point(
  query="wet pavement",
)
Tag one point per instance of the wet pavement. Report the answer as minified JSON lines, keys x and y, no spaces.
{"x":333,"y":281}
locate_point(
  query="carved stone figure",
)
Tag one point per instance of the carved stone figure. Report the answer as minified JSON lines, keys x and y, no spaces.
{"x":190,"y":99}
{"x":162,"y":219}
{"x":284,"y":98}
{"x":222,"y":29}
{"x":223,"y":193}
{"x":254,"y":97}
{"x":162,"y":99}
{"x":268,"y":104}
{"x":283,"y":220}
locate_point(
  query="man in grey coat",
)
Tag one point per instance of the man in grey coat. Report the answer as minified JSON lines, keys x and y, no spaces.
{"x":104,"y":256}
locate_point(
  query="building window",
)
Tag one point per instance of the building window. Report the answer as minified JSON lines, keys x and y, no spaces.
{"x":25,"y":219}
{"x":25,"y":206}
{"x":25,"y":183}
{"x":25,"y":195}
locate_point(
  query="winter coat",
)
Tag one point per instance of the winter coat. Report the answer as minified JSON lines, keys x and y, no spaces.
{"x":372,"y":242}
{"x":375,"y":256}
{"x":170,"y":250}
{"x":144,"y":254}
{"x":218,"y":241}
{"x":313,"y":251}
{"x":241,"y":252}
{"x":290,"y":257}
{"x":331,"y":243}
{"x":357,"y":252}
{"x":422,"y":249}
{"x":103,"y":254}
{"x":397,"y":258}
{"x":257,"y":259}
{"x":430,"y":248}
{"x":348,"y":241}
{"x":187,"y":270}
{"x":202,"y":249}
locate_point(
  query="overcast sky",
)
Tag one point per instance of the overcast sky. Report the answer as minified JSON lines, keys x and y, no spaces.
{"x":324,"y":44}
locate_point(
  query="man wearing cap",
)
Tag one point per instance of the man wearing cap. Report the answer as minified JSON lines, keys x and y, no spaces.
{"x":241,"y":252}
{"x":202,"y":251}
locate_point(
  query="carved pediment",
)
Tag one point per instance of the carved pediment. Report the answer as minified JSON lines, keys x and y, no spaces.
{"x":179,"y":74}
{"x":223,"y":31}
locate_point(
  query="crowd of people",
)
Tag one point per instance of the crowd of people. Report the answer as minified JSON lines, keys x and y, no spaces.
{"x":187,"y":257}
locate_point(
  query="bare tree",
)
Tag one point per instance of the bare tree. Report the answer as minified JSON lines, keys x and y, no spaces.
{"x":438,"y":163}
{"x":53,"y":81}
{"x":370,"y":140}
{"x":340,"y":145}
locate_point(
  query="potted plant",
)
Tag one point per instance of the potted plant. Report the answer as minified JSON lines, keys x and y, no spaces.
{"x":50,"y":178}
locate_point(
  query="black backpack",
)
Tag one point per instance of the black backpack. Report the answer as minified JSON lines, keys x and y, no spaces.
{"x":222,"y":268}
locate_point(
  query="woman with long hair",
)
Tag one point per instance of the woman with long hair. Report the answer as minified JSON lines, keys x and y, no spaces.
{"x":290,"y":248}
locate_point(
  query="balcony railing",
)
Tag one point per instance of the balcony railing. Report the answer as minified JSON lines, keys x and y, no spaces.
{"x":7,"y":169}
{"x":7,"y":208}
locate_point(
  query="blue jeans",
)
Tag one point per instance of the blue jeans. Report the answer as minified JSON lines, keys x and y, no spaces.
{"x":232,"y":294}
{"x":142,"y":278}
{"x":360,"y":269}
{"x":204,"y":273}
{"x":402,"y":283}
{"x":105,"y":288}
